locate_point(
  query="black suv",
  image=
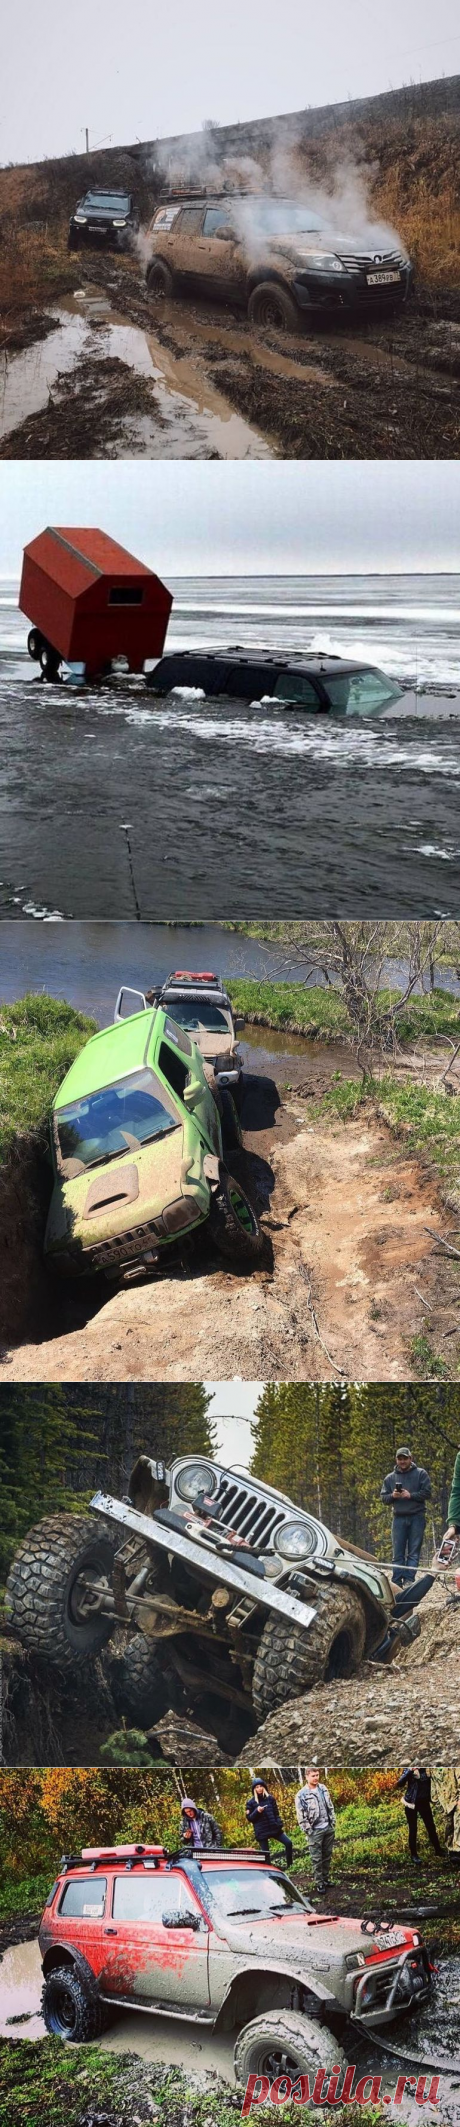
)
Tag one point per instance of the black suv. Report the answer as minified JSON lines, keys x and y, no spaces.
{"x":103,"y":217}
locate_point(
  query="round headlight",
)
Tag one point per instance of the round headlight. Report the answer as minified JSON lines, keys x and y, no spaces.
{"x":295,"y":1539}
{"x":196,"y":1477}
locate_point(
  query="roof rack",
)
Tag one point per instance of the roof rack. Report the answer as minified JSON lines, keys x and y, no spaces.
{"x":94,"y":1857}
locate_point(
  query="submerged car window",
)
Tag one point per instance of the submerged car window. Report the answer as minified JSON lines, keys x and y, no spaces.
{"x":149,"y":1897}
{"x":292,"y":687}
{"x":84,"y":1899}
{"x":361,"y":693}
{"x":199,"y":1015}
{"x":106,"y":1122}
{"x":238,"y":1891}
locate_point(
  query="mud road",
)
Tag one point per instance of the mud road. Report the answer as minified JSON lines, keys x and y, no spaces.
{"x":122,"y":375}
{"x":349,"y":1277}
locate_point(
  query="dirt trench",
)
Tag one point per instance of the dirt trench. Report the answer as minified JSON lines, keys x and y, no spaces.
{"x":349,"y":1279}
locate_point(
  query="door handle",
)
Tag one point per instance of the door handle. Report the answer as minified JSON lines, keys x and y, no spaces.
{"x":110,"y":1931}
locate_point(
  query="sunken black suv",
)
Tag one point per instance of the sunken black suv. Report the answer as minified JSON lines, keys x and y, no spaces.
{"x":274,"y":256}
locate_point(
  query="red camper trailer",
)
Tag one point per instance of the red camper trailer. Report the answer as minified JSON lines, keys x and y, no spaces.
{"x":90,"y":602}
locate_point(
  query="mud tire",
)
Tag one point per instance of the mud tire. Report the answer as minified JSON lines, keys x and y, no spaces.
{"x":284,"y":2042}
{"x":139,"y":1684}
{"x":159,"y":280}
{"x":271,"y":307}
{"x":289,"y":1662}
{"x":232,"y":1135}
{"x":235,"y":1235}
{"x":40,"y":1585}
{"x":71,"y":2009}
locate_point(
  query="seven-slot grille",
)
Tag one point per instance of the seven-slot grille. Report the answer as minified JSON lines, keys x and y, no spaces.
{"x":251,"y":1515}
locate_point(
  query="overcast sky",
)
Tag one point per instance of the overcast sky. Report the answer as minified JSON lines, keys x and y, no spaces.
{"x":191,"y":518}
{"x":232,"y":1411}
{"x":138,"y":71}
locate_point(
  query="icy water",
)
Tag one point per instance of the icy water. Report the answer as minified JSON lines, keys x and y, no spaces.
{"x":241,"y":809}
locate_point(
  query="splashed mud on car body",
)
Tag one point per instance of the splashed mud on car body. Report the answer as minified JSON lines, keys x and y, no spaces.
{"x":273,"y":256}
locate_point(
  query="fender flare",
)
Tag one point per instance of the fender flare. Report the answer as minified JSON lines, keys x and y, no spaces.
{"x":69,"y":1955}
{"x":295,"y":1973}
{"x":256,"y":276}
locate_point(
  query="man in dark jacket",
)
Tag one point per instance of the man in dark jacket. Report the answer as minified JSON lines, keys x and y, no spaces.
{"x":406,"y":1490}
{"x":454,"y":1502}
{"x":417,"y":1803}
{"x":198,"y":1828}
{"x":263,"y":1813}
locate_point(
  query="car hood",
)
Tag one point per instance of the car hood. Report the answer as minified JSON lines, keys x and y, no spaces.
{"x":117,"y":1196}
{"x":210,"y":1044}
{"x":320,"y":1942}
{"x":343,"y":246}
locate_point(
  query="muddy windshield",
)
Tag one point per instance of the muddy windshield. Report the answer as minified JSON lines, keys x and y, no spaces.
{"x":363,"y":693}
{"x":282,"y":217}
{"x":241,"y":1891}
{"x":106,"y":203}
{"x":199,"y":1014}
{"x":118,"y":1118}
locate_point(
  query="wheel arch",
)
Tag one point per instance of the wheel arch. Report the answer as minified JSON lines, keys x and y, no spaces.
{"x":257,"y":279}
{"x":59,"y":1953}
{"x":258,"y":1988}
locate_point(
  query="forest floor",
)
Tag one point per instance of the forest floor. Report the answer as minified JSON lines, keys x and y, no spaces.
{"x":353,"y":1284}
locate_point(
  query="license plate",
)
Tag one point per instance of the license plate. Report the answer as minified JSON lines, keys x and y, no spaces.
{"x":372,"y":278}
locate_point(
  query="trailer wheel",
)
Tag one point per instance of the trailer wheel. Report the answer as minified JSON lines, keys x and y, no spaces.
{"x":34,"y":643}
{"x":159,"y":280}
{"x":44,"y":1589}
{"x":271,"y":306}
{"x":234,"y":1223}
{"x":290,"y":1661}
{"x":283,"y":2042}
{"x":138,"y":1682}
{"x":70,"y":2009}
{"x":49,"y":660}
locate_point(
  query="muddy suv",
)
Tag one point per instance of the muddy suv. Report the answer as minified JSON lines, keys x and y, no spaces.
{"x":214,"y":1576}
{"x":137,"y":1144}
{"x":273,"y":256}
{"x":198,"y":1002}
{"x":103,"y":217}
{"x":117,"y":1932}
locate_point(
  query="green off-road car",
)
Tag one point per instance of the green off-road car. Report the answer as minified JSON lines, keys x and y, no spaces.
{"x":137,"y":1141}
{"x":215,"y":1578}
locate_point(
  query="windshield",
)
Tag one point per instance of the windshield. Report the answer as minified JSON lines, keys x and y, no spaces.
{"x":202,"y":1014}
{"x":362,"y":693}
{"x":118,"y":1118}
{"x":106,"y":203}
{"x":282,"y":217}
{"x":241,"y":1891}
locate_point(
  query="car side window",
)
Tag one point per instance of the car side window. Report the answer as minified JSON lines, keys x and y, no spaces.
{"x":148,"y":1897}
{"x":84,"y":1899}
{"x":292,"y":687}
{"x":216,"y":218}
{"x":190,"y":220}
{"x":173,"y":1069}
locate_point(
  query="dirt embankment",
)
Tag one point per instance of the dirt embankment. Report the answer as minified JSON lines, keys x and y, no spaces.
{"x":24,"y":1289}
{"x":349,"y":1279}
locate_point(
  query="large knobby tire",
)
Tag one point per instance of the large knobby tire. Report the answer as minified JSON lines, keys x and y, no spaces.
{"x":290,"y":1661}
{"x":71,"y":2008}
{"x":233,"y":1223}
{"x":284,"y":2042}
{"x":271,"y":306}
{"x":159,"y":280}
{"x":41,"y":1592}
{"x":139,"y":1684}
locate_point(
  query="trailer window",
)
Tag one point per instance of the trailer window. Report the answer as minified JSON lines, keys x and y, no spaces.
{"x":125,"y":598}
{"x":84,"y":1899}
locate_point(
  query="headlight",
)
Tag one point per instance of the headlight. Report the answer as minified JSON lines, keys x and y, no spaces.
{"x":194,"y":1478}
{"x":120,"y":225}
{"x":295,"y":1539}
{"x":323,"y":261}
{"x":81,"y":218}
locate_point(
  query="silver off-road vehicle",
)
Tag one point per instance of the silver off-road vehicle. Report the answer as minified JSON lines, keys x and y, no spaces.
{"x":213,"y":1575}
{"x":292,"y":1983}
{"x":198,"y":1002}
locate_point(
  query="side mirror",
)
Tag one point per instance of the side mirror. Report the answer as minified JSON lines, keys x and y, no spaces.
{"x":226,"y":236}
{"x":193,"y":1094}
{"x":239,"y":1023}
{"x":182,"y":1920}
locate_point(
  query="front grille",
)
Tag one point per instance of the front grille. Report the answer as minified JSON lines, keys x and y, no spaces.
{"x":387,"y":262}
{"x":252,"y":1517}
{"x":125,"y":1245}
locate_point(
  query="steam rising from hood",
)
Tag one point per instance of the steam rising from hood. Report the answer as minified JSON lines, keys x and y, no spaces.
{"x":341,"y":204}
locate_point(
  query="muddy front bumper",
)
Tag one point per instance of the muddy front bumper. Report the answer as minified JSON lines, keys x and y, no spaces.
{"x":205,"y":1561}
{"x":350,"y":291}
{"x":389,"y":1990}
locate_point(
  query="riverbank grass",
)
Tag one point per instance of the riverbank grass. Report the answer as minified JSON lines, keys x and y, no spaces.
{"x":322,"y":1013}
{"x":39,"y":1038}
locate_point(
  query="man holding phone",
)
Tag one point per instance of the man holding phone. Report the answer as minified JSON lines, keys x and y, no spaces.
{"x":406,"y":1490}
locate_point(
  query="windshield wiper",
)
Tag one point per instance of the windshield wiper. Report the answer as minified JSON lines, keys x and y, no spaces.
{"x":238,"y":1912}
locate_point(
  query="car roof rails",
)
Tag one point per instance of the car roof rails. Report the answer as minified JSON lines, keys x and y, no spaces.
{"x":94,"y":1857}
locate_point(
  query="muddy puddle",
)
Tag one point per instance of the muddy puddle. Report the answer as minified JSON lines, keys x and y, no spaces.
{"x":434,"y":2037}
{"x":189,"y":419}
